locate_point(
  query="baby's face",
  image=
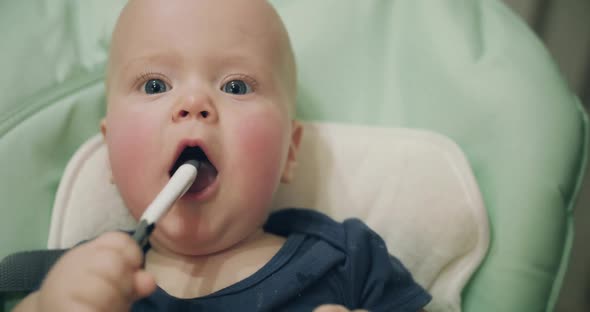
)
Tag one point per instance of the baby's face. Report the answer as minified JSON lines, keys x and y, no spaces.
{"x":217,"y":75}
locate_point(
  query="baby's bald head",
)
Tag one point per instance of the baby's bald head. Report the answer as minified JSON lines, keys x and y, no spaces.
{"x":187,"y":25}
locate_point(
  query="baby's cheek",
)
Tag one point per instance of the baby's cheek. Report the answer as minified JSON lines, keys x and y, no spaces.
{"x":129,"y":150}
{"x":263,"y":149}
{"x":126,"y":142}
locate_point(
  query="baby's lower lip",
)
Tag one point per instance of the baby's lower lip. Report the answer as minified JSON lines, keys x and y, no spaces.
{"x":202,"y":194}
{"x":206,"y":175}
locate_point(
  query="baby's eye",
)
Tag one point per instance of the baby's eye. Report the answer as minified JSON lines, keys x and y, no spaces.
{"x":154,"y":86}
{"x":238,"y":87}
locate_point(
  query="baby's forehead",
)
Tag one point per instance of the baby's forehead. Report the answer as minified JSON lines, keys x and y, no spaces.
{"x":249,"y":13}
{"x":180,"y":23}
{"x":189,"y":27}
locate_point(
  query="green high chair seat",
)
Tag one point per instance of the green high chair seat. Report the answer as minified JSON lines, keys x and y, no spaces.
{"x":467,"y":69}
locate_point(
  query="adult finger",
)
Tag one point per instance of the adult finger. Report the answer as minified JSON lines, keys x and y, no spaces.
{"x":144,"y":284}
{"x":331,"y":308}
{"x":123,"y":244}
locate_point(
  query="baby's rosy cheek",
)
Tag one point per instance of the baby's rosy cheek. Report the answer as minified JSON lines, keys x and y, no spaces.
{"x":262,"y":146}
{"x":130,"y":151}
{"x":127,"y":141}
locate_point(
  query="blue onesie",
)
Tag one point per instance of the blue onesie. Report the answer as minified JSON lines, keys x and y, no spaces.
{"x":321,"y":262}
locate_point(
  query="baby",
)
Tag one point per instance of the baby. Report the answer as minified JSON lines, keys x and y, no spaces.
{"x":215,"y":80}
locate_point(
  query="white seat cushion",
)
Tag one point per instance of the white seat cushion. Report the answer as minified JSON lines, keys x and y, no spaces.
{"x":415,"y":188}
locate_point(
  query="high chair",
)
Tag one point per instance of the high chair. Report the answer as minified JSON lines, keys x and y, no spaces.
{"x":443,"y":124}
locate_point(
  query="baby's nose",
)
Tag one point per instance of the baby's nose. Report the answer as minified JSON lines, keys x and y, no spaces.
{"x":194,"y":107}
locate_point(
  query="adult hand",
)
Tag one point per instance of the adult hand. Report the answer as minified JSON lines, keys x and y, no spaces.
{"x":102,"y":275}
{"x":334,"y":308}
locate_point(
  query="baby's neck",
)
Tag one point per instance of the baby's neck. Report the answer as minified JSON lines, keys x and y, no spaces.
{"x":191,"y":277}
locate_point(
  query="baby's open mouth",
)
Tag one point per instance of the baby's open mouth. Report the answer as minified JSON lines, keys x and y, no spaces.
{"x":206,"y":174}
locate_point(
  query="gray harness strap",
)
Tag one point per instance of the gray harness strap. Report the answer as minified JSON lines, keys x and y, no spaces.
{"x":24,"y":271}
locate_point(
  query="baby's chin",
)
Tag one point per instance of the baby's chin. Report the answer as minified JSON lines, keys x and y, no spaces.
{"x":190,"y":241}
{"x":183,"y":245}
{"x":186,"y":241}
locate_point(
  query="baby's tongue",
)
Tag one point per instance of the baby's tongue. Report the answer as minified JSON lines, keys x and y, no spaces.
{"x":205,"y":176}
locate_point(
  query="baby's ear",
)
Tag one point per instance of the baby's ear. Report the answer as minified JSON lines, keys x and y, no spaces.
{"x":103,"y":127}
{"x":291,"y":163}
{"x":103,"y":130}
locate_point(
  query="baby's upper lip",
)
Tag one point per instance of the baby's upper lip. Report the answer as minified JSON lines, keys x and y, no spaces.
{"x":183,"y":144}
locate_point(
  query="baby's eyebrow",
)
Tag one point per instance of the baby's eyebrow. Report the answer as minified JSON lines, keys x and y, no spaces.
{"x":236,"y":59}
{"x":168,"y":59}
